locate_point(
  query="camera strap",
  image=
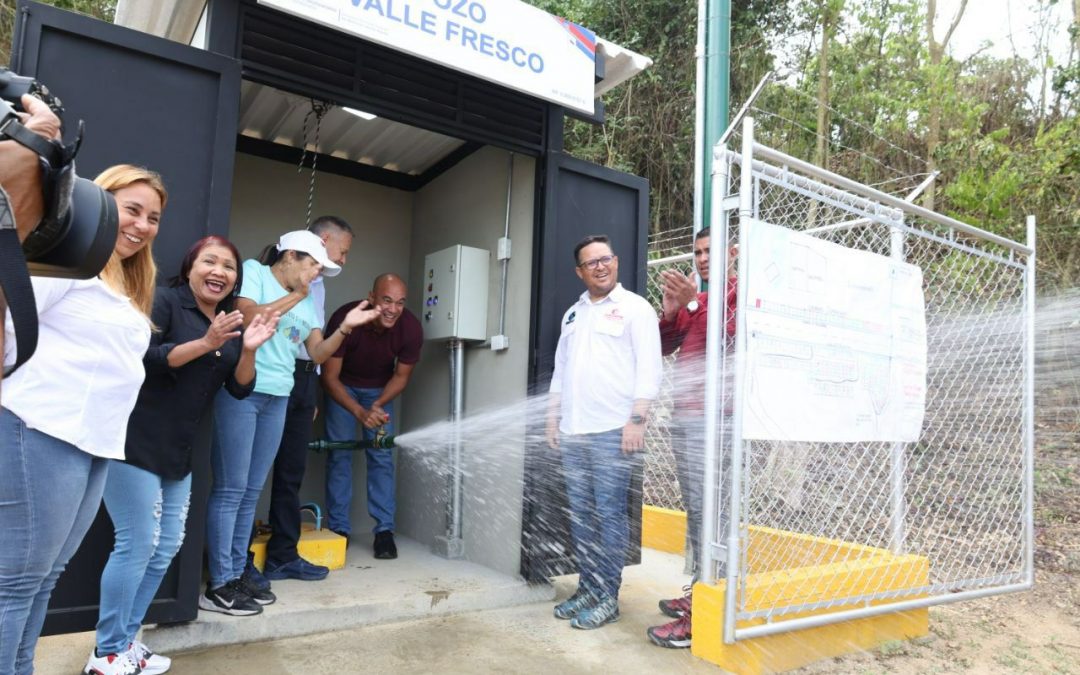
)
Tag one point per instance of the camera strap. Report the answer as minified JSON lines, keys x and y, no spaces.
{"x":15,"y":282}
{"x":51,"y":152}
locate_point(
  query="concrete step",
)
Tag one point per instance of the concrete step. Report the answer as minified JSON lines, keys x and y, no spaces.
{"x":417,"y":585}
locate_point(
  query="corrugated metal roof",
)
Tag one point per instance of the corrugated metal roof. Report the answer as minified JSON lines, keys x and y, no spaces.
{"x":277,"y":116}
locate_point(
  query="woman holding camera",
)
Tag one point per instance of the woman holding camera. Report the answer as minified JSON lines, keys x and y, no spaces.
{"x":197,"y":349}
{"x":247,"y":432}
{"x":65,"y":412}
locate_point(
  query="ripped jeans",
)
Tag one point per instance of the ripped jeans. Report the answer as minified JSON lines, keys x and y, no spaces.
{"x":149,"y":514}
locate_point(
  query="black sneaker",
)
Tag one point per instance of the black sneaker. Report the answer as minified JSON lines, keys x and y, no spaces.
{"x":261,"y":596}
{"x":385,"y":549}
{"x":228,"y":600}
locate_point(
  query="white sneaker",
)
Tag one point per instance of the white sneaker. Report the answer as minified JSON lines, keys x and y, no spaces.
{"x":112,"y":664}
{"x":151,"y":663}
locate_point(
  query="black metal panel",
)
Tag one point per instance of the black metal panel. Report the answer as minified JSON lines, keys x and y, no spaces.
{"x":579,"y":199}
{"x":172,"y":108}
{"x":301,"y":57}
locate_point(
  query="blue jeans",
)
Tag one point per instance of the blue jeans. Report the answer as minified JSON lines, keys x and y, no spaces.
{"x":50,"y":492}
{"x":246,"y":437}
{"x":597,"y":477}
{"x":149,"y":514}
{"x":381,"y":502}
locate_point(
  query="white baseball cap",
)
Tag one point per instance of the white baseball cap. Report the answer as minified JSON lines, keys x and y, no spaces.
{"x":310,"y":243}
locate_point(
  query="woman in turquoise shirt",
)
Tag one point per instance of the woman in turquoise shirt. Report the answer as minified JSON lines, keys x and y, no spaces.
{"x":247,"y":432}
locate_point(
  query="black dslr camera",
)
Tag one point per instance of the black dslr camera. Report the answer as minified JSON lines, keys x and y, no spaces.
{"x":77,"y":233}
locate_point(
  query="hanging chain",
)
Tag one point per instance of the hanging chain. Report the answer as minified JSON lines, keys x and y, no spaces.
{"x":318,"y":109}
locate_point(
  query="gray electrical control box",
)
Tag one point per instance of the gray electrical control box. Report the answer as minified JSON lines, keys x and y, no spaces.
{"x":456,"y":294}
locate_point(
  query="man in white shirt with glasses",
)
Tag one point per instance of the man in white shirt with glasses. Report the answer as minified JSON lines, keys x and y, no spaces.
{"x":607,"y":373}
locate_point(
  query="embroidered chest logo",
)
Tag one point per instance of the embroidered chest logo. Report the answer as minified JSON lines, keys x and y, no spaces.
{"x":570,"y":319}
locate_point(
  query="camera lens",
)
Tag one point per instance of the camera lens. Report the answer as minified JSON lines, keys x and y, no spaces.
{"x":78,"y":245}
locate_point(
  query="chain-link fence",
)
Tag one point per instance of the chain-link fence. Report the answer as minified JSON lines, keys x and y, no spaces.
{"x":672,"y":249}
{"x":955,"y":503}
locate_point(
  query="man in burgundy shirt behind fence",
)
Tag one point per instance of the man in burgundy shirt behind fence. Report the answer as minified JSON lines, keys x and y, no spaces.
{"x":683,"y":326}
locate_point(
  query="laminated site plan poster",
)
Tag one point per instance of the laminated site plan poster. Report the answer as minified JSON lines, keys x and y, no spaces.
{"x":835,"y":341}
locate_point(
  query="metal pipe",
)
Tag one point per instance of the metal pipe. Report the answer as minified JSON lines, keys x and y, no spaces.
{"x":859,"y":222}
{"x":714,"y":85}
{"x":867,"y":599}
{"x":886,"y":198}
{"x":921,"y":187}
{"x":714,"y":339}
{"x":745,"y":106}
{"x":458,"y":350}
{"x":451,"y":348}
{"x":717,"y":80}
{"x":682,"y":257}
{"x":746,"y":210}
{"x":700,"y":143}
{"x":505,"y":262}
{"x":787,"y":625}
{"x":817,"y":190}
{"x":897,"y":464}
{"x":1029,"y":408}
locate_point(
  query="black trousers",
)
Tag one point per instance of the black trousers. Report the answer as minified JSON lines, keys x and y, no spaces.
{"x":290,"y":464}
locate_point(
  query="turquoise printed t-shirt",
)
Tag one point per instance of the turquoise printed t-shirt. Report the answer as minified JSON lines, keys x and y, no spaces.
{"x":276,"y":359}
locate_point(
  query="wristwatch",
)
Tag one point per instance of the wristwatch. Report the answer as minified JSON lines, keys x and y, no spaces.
{"x":692,"y":306}
{"x":637,"y":419}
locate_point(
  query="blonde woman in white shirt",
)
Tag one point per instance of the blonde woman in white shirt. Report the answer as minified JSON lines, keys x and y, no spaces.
{"x":65,"y":414}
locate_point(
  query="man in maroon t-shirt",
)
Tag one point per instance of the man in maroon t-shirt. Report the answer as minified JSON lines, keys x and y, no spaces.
{"x":362,"y":379}
{"x":683,"y":326}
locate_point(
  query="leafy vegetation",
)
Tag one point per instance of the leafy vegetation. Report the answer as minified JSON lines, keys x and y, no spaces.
{"x":882,"y":103}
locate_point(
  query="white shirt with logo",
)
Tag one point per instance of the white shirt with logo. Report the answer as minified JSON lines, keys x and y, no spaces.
{"x":608,"y":356}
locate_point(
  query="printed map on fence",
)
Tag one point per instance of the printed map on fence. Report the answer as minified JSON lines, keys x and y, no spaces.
{"x":835,"y":341}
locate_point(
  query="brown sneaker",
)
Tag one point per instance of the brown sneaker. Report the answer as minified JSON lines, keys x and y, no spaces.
{"x":673,"y":635}
{"x":677,"y":607}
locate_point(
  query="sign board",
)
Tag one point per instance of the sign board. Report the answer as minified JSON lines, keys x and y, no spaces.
{"x":835,"y":341}
{"x":507,"y":42}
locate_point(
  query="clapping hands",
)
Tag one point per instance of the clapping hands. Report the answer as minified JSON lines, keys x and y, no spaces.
{"x":261,"y":329}
{"x":679,"y":289}
{"x":223,"y":328}
{"x":362,"y":314}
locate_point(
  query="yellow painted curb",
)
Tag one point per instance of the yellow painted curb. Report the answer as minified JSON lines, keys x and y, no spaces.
{"x":663,"y":529}
{"x":857,"y":570}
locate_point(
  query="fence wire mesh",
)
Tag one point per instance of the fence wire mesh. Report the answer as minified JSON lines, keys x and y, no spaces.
{"x":964,"y":502}
{"x":672,"y":249}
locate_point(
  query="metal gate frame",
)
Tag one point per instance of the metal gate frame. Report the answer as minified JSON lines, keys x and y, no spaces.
{"x":755,"y":164}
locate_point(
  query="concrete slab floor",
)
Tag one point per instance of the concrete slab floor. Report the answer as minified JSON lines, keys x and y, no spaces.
{"x":417,"y":585}
{"x":522,"y":639}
